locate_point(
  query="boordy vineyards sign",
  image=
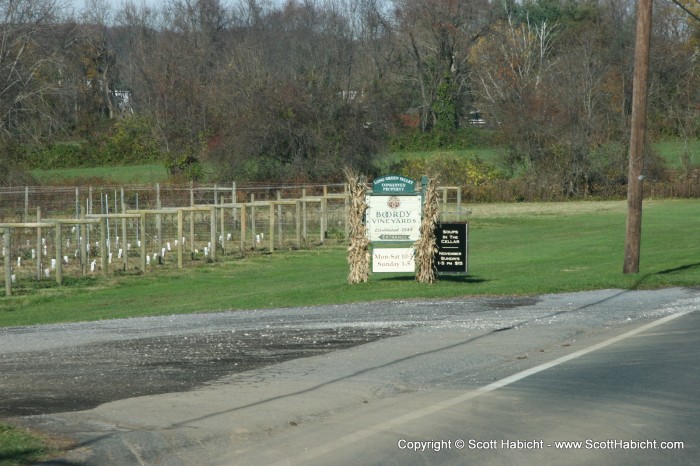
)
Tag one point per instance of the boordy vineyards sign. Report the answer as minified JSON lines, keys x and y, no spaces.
{"x":393,"y":219}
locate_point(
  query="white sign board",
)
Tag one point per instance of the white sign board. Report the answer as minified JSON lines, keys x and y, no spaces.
{"x":393,"y":218}
{"x":393,"y":260}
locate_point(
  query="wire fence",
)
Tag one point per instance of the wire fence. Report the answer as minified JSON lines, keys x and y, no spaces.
{"x":56,"y":233}
{"x":50,"y":233}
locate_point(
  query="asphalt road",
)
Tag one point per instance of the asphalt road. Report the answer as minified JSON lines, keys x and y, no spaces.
{"x":365,"y":384}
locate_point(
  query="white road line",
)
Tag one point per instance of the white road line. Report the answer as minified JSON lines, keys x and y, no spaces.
{"x":428,"y":410}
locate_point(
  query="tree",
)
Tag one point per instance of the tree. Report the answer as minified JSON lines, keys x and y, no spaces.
{"x":171,"y":59}
{"x":438,"y":36}
{"x":511,"y":69}
{"x":297,"y":107}
{"x":30,"y":68}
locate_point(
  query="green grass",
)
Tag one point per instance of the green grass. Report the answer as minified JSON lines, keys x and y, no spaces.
{"x":514,"y":249}
{"x":674,"y":152}
{"x":20,"y":447}
{"x":133,"y":174}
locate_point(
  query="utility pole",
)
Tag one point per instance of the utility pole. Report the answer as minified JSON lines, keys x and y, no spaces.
{"x":637,"y":136}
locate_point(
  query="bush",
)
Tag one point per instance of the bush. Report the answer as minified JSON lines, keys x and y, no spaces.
{"x":467,"y":137}
{"x":129,"y":141}
{"x":472,"y":174}
{"x":60,"y":155}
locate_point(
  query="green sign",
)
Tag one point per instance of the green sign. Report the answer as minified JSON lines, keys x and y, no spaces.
{"x":393,"y":184}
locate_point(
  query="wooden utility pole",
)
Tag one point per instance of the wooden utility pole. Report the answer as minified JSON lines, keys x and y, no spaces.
{"x":637,"y":138}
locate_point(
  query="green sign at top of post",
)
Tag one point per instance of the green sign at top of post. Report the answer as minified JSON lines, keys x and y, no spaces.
{"x":393,"y":184}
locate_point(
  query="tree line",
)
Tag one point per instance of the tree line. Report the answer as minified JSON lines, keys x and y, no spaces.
{"x":262,"y":90}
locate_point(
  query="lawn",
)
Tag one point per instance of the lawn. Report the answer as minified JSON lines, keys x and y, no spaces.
{"x":514,"y":249}
{"x":677,"y":152}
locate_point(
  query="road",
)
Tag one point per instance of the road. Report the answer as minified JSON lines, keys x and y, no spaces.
{"x":371,"y":383}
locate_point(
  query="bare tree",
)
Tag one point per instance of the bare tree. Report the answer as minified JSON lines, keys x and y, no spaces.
{"x":438,"y":36}
{"x":511,"y":71}
{"x":30,"y":67}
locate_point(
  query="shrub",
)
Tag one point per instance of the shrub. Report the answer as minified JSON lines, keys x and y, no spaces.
{"x":131,"y":141}
{"x":450,"y":170}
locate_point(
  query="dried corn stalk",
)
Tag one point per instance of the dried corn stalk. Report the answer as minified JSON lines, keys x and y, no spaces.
{"x":425,"y":246}
{"x":358,"y":251}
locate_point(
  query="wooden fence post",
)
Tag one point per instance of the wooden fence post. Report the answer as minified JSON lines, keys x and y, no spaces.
{"x":38,"y":245}
{"x":252,"y":219}
{"x":212,"y":231}
{"x":272,"y":226}
{"x":191,"y":217}
{"x":324,"y":214}
{"x":125,"y":244}
{"x":459,"y":203}
{"x":58,"y":238}
{"x":233,"y":201}
{"x":7,"y":236}
{"x":180,"y":216}
{"x":279,"y":218}
{"x":222,"y":220}
{"x":103,"y":245}
{"x":143,"y":242}
{"x":244,"y":209}
{"x":26,"y":204}
{"x":159,"y":220}
{"x":82,"y":227}
{"x":298,"y":223}
{"x":303,"y":214}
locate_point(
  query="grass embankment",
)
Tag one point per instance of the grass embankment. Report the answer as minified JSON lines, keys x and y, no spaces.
{"x":514,"y":249}
{"x":675,"y":152}
{"x":679,"y":153}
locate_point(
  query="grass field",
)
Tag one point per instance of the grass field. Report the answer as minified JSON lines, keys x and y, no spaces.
{"x":675,"y":151}
{"x":514,"y":249}
{"x":672,"y":151}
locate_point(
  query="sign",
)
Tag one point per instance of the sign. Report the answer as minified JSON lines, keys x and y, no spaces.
{"x":393,"y":260}
{"x":393,"y":218}
{"x":451,"y":242}
{"x":393,"y":184}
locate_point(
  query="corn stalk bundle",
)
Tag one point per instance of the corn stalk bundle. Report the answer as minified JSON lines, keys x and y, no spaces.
{"x":358,"y":251}
{"x":425,"y":246}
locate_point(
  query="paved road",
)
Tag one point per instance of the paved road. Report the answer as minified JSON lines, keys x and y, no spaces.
{"x":632,"y":400}
{"x":344,"y":384}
